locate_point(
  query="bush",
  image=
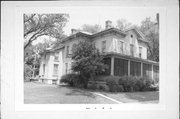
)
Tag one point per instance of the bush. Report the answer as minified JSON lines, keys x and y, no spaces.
{"x":92,"y":85}
{"x":28,"y":71}
{"x":102,"y":88}
{"x":113,"y":86}
{"x":133,"y":83}
{"x":72,"y":80}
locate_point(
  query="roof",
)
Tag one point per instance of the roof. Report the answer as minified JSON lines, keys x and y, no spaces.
{"x":109,"y":30}
{"x":80,"y":33}
{"x":138,"y":32}
{"x":52,"y":50}
{"x":141,"y":37}
{"x":132,"y":58}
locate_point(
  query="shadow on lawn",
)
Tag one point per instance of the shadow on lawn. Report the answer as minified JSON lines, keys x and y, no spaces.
{"x":78,"y":92}
{"x":143,"y":96}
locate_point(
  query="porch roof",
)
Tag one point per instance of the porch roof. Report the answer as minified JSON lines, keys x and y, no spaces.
{"x":127,"y":57}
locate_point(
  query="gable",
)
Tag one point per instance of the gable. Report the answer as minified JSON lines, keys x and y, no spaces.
{"x":139,"y":35}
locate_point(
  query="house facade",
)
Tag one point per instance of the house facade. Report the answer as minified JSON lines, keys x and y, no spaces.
{"x":125,"y":54}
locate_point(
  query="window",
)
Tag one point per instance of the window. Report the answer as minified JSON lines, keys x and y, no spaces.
{"x":121,"y":43}
{"x":120,"y":67}
{"x":103,"y":46}
{"x":55,"y":71}
{"x":135,"y":68}
{"x":131,"y":36}
{"x":56,"y":56}
{"x":66,"y":68}
{"x":131,"y":50}
{"x":140,"y":52}
{"x":67,"y":51}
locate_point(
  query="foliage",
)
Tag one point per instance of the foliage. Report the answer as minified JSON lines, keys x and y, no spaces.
{"x":27,"y":72}
{"x":114,"y":87}
{"x":151,"y":32}
{"x":92,"y":85}
{"x":87,"y":60}
{"x":91,"y":28}
{"x":123,"y":24}
{"x":128,"y":83}
{"x":72,"y":79}
{"x":37,"y":25}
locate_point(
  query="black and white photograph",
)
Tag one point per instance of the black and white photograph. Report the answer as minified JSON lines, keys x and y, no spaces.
{"x":107,"y":57}
{"x":89,"y":59}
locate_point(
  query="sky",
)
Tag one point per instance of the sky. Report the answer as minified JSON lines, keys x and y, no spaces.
{"x":98,"y":15}
{"x":78,"y":16}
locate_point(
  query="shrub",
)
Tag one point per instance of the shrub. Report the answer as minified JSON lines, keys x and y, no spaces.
{"x":92,"y":85}
{"x":120,"y":88}
{"x":113,"y":86}
{"x":110,"y":78}
{"x":71,"y":79}
{"x":28,"y":71}
{"x":132,"y":83}
{"x":102,"y":88}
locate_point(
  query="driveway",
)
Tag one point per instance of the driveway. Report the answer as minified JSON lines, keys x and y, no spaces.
{"x":38,"y":93}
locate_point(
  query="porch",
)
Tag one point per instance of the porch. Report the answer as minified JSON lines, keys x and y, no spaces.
{"x":121,"y":65}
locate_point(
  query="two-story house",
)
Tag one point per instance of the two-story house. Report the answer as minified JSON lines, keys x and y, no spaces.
{"x":125,"y":54}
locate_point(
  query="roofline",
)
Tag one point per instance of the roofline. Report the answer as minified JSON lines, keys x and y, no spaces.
{"x":106,"y":31}
{"x":138,"y":31}
{"x":75,"y":35}
{"x":130,"y":57}
{"x":94,"y":35}
{"x":109,"y":30}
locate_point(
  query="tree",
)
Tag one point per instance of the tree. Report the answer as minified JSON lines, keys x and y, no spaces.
{"x":151,"y":32}
{"x":37,"y":25}
{"x":123,"y":24}
{"x":32,"y":55}
{"x":91,"y":28}
{"x":87,"y":60}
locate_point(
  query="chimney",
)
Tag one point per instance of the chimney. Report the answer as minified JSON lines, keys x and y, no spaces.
{"x":108,"y":24}
{"x":73,"y":31}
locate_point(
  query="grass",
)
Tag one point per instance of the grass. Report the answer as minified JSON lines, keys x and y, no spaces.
{"x":37,"y":93}
{"x":141,"y":97}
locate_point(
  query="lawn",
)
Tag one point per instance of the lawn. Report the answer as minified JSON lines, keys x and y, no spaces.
{"x":38,"y":93}
{"x":135,"y":97}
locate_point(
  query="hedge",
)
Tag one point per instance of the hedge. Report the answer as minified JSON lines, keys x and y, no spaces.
{"x":128,"y":83}
{"x":72,"y":80}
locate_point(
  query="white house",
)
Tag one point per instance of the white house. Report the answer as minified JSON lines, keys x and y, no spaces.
{"x":125,"y":54}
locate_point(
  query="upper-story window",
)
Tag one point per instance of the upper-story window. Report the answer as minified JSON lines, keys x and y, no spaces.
{"x":140,"y":52}
{"x":131,"y":50}
{"x":67,"y":51}
{"x":103,"y":46}
{"x":56,"y":56}
{"x":131,"y":36}
{"x":121,"y":44}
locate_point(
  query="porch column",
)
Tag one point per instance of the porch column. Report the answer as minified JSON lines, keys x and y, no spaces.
{"x":141,"y":69}
{"x":129,"y":68}
{"x":152,"y":72}
{"x":112,"y":65}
